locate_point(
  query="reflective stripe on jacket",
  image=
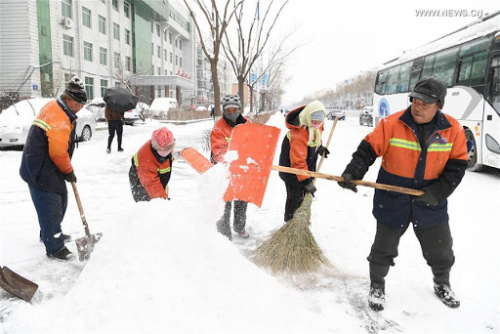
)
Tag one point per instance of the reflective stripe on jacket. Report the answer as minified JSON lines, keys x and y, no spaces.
{"x":153,"y":170}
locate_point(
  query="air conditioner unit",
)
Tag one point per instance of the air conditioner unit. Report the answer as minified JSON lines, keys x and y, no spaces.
{"x":67,"y":22}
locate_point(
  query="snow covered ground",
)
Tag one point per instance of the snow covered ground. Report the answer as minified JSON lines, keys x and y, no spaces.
{"x":162,"y":267}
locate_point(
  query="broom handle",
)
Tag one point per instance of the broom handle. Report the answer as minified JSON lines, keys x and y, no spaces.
{"x":381,"y":186}
{"x":327,"y":144}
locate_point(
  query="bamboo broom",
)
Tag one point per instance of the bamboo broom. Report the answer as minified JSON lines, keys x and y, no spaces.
{"x":293,"y":249}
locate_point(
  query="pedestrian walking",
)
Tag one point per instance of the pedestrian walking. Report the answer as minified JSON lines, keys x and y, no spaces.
{"x":152,"y":167}
{"x":300,"y":149}
{"x":219,"y":140}
{"x":46,"y":164}
{"x":115,"y":125}
{"x":421,"y":148}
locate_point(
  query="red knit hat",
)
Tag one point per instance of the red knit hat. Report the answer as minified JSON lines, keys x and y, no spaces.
{"x":163,"y":141}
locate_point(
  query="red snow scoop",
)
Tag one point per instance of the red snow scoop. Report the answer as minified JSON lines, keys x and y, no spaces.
{"x":250,"y":173}
{"x":17,"y":285}
{"x":256,"y":145}
{"x":84,"y":245}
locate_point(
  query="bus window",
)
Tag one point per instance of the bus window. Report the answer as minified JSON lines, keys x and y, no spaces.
{"x":415,"y":72}
{"x":444,"y":66}
{"x":404,"y":78}
{"x":428,"y":66}
{"x":494,"y":79}
{"x":392,"y":81}
{"x":473,"y":59}
{"x":381,"y":82}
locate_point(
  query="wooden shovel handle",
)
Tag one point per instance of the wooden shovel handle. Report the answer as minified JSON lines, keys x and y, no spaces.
{"x":80,"y":208}
{"x":381,"y":186}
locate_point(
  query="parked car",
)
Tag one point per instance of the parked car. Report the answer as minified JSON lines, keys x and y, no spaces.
{"x":16,"y":121}
{"x":141,"y":111}
{"x":97,"y":107}
{"x":332,"y":113}
{"x":161,"y":105}
{"x":366,"y":116}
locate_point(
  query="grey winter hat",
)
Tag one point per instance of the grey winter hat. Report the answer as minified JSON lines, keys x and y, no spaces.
{"x":318,"y":116}
{"x":231,"y":101}
{"x":430,"y":90}
{"x":76,"y":90}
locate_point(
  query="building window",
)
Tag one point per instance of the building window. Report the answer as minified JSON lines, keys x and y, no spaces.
{"x":152,"y":49}
{"x":176,"y":42}
{"x":158,"y":52}
{"x":127,"y":36}
{"x":176,"y":60}
{"x":180,"y":44}
{"x":158,"y":29}
{"x":170,"y":57}
{"x":118,"y":83}
{"x":180,"y":61}
{"x":165,"y":55}
{"x":102,"y":25}
{"x":68,"y":45}
{"x":166,"y":72}
{"x":170,"y":37}
{"x":104,"y":86}
{"x":89,"y":87}
{"x":103,"y":1}
{"x":159,"y":71}
{"x":67,"y":8}
{"x":117,"y":60}
{"x":87,"y":17}
{"x":165,"y":36}
{"x":128,"y":64}
{"x":116,"y":31}
{"x":103,"y":56}
{"x":87,"y":51}
{"x":115,"y":5}
{"x":126,"y":9}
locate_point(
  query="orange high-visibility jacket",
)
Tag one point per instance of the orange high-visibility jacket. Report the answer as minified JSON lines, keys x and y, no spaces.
{"x":221,"y":135}
{"x":151,"y":172}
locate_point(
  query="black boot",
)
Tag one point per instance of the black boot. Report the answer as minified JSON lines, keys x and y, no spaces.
{"x":446,"y":295}
{"x":376,"y":298}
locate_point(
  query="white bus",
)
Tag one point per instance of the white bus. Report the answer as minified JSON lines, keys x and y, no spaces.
{"x":468,"y":60}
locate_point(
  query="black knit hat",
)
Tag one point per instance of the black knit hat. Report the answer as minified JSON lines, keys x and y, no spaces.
{"x":231,"y":101}
{"x":76,"y":90}
{"x":430,"y":90}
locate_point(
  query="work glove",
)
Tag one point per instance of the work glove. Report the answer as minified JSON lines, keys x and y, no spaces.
{"x":310,"y":188}
{"x":428,"y":197}
{"x":347,"y":184}
{"x":322,"y":150}
{"x":70,"y":177}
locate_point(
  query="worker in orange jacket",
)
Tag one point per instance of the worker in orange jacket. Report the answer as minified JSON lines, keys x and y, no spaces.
{"x":152,"y":167}
{"x":46,"y":164}
{"x":421,"y":148}
{"x":219,"y":141}
{"x":300,"y":149}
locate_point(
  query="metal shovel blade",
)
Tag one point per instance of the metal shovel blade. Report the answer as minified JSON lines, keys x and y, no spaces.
{"x":16,"y":284}
{"x":85,"y":245}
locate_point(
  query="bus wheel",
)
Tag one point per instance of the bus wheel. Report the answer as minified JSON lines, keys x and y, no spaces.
{"x":472,"y":164}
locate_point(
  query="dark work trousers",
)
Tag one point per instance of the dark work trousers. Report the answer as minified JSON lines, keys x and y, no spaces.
{"x":50,"y":208}
{"x":436,"y":244}
{"x":138,"y":191}
{"x":115,"y":126}
{"x":294,"y":197}
{"x":240,"y":218}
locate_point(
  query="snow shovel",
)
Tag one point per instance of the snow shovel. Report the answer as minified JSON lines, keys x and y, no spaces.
{"x":255,"y":144}
{"x":17,"y":285}
{"x":84,"y":245}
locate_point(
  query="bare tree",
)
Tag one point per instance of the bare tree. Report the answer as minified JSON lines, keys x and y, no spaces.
{"x":250,"y":44}
{"x":218,"y":24}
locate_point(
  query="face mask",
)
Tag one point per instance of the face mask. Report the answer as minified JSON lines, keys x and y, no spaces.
{"x":232,"y":116}
{"x":317,"y":126}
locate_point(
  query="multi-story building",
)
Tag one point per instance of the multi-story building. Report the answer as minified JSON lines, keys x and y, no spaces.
{"x":204,"y":78}
{"x":146,"y":45}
